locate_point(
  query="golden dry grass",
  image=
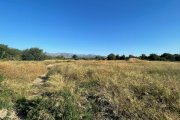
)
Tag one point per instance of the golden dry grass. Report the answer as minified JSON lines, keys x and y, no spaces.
{"x":20,"y":75}
{"x":134,"y":89}
{"x":118,"y":81}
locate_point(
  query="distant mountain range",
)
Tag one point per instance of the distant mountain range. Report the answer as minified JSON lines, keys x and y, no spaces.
{"x":69,"y":55}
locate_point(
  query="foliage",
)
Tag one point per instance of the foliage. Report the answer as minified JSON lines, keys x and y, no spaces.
{"x":123,"y":57}
{"x":2,"y":77}
{"x":9,"y":53}
{"x":167,"y":56}
{"x":75,"y":57}
{"x":6,"y":95}
{"x":52,"y":106}
{"x":131,"y":56}
{"x":111,"y":56}
{"x":143,"y":57}
{"x":117,"y":57}
{"x":98,"y":57}
{"x":33,"y":54}
{"x":152,"y":57}
{"x":177,"y":57}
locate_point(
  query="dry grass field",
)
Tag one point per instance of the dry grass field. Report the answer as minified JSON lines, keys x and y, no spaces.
{"x":97,"y":90}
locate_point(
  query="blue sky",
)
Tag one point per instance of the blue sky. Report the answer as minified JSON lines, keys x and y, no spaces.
{"x":92,"y":26}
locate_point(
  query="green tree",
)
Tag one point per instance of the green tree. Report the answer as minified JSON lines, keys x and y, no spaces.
{"x":177,"y":57}
{"x":131,"y":56}
{"x":33,"y":54}
{"x":9,"y":53}
{"x":153,"y":57}
{"x":167,"y":56}
{"x":111,"y":57}
{"x":75,"y":57}
{"x":3,"y":51}
{"x":117,"y":57}
{"x":123,"y":57}
{"x":143,"y":57}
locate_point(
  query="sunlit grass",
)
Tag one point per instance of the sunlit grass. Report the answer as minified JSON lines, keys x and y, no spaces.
{"x":110,"y":89}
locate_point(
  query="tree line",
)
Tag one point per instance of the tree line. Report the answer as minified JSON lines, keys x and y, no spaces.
{"x":7,"y":53}
{"x":151,"y":57}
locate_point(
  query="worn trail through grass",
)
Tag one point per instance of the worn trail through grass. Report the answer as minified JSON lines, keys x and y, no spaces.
{"x":40,"y":81}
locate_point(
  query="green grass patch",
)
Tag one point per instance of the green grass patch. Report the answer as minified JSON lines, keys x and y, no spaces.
{"x":52,"y":106}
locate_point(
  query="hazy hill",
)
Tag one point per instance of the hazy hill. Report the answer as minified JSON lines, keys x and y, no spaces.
{"x":69,"y":55}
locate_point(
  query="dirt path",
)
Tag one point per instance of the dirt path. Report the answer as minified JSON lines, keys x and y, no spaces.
{"x":39,"y":83}
{"x":43,"y":78}
{"x":40,"y":80}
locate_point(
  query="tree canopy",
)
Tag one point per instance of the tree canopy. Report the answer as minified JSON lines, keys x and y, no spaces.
{"x":33,"y":54}
{"x":111,"y":56}
{"x":9,"y":53}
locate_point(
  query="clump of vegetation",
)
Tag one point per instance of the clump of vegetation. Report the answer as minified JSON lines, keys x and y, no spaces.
{"x":33,"y":54}
{"x":2,"y":77}
{"x":6,"y":95}
{"x":75,"y":57}
{"x":111,"y":56}
{"x":52,"y":106}
{"x":9,"y":53}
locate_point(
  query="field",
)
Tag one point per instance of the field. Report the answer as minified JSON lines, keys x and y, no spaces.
{"x":97,"y":90}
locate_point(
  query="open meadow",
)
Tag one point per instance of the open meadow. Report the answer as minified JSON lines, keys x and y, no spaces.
{"x":89,"y":89}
